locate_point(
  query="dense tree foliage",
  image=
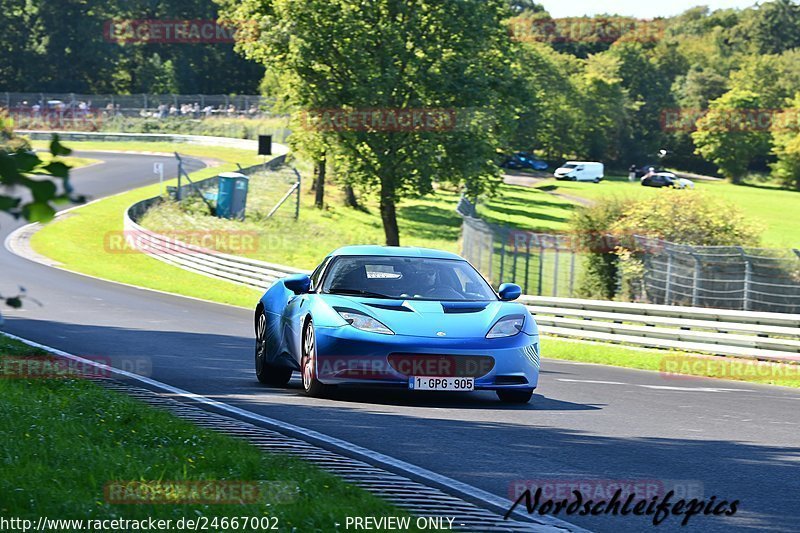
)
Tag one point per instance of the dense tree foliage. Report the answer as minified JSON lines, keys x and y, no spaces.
{"x":621,"y":90}
{"x":340,"y":61}
{"x":66,"y":46}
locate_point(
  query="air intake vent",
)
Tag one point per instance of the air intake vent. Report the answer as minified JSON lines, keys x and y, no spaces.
{"x":463,"y":307}
{"x":510,"y":380}
{"x":391,"y":307}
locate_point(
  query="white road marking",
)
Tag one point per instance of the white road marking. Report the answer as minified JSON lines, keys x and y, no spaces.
{"x":693,"y":389}
{"x":592,"y":381}
{"x":655,"y":387}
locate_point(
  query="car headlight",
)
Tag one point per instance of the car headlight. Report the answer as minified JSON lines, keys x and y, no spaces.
{"x":506,"y":327}
{"x":364,"y":322}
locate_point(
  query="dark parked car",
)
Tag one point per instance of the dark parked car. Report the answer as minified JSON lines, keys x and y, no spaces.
{"x":523,"y":160}
{"x":666,"y":179}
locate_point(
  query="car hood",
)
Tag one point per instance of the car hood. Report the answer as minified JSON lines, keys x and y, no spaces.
{"x":430,"y":318}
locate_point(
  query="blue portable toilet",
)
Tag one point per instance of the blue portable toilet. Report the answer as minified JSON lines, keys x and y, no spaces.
{"x":232,"y":195}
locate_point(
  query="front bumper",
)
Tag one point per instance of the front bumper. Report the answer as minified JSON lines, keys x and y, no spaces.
{"x":348,"y":356}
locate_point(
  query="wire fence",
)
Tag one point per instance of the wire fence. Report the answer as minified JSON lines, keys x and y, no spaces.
{"x":273,"y":190}
{"x":727,"y":277}
{"x":152,"y":105}
{"x":542,"y":264}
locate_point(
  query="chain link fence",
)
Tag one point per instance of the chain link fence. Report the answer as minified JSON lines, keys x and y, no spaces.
{"x":727,"y":277}
{"x":724,"y":277}
{"x":542,"y":264}
{"x":74,"y":106}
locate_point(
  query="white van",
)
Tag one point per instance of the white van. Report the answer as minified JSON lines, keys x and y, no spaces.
{"x":580,"y":171}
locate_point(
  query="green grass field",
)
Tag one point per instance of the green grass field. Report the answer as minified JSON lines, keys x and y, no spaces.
{"x":63,"y":439}
{"x":672,"y":362}
{"x":772,"y":208}
{"x":430,"y":221}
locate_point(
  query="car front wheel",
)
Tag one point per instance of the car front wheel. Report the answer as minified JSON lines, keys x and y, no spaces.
{"x":308,"y":365}
{"x":515,"y":395}
{"x":266,"y":373}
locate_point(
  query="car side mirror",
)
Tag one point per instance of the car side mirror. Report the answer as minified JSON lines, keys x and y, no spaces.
{"x":509,"y":291}
{"x":297,"y":283}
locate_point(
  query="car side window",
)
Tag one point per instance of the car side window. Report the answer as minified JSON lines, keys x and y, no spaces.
{"x":317,"y":274}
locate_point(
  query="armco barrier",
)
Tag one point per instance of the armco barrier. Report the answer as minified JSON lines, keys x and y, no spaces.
{"x":228,"y":142}
{"x":765,"y":336}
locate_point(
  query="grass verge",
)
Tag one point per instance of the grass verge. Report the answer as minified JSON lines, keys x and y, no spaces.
{"x":63,"y":439}
{"x":761,"y":203}
{"x":673,"y":364}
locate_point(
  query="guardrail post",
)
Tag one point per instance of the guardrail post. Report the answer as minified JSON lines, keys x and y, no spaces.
{"x":514,"y":263}
{"x":572,"y":273}
{"x":555,"y":269}
{"x":527,"y":264}
{"x":491,"y":253}
{"x":541,"y":265}
{"x":480,"y":251}
{"x":696,"y":281}
{"x":748,"y":274}
{"x":504,"y":234}
{"x":297,"y":201}
{"x":667,"y":282}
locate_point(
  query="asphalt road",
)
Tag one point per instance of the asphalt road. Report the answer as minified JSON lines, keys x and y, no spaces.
{"x":587,"y":424}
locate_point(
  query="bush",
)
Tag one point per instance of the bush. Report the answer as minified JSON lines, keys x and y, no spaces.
{"x":685,"y":217}
{"x":592,"y":225}
{"x":682,"y":217}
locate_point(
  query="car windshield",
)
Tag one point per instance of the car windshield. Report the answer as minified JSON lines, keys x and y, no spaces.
{"x":569,"y":165}
{"x":402,"y":278}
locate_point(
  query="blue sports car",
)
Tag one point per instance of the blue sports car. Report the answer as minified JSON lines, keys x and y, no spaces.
{"x":392,"y":316}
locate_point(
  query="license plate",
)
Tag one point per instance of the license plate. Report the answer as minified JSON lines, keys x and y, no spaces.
{"x":441,"y":383}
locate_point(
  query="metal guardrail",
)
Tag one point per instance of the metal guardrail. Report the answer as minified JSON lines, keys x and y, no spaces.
{"x":755,"y":335}
{"x":228,"y":142}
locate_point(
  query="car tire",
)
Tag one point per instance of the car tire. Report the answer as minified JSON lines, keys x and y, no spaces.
{"x":515,"y":395}
{"x":597,"y":180}
{"x":275,"y":376}
{"x":308,"y":365}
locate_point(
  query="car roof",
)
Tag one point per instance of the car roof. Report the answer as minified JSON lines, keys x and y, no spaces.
{"x":394,"y":251}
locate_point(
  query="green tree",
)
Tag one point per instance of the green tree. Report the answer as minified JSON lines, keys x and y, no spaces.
{"x":732,"y":133}
{"x":786,"y":145}
{"x":392,"y":55}
{"x":772,"y":27}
